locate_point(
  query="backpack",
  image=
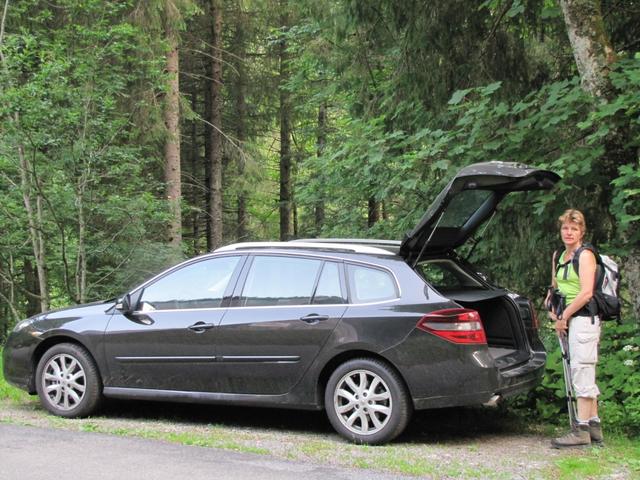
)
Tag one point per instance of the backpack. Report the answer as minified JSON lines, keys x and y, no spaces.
{"x":605,"y":301}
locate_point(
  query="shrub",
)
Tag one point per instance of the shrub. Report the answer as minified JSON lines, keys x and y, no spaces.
{"x":618,"y":377}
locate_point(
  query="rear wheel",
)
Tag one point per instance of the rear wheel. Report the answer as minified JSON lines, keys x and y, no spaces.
{"x":366,"y":401}
{"x":68,"y":382}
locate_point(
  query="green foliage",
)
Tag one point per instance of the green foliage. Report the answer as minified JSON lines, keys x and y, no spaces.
{"x":618,"y":377}
{"x":75,"y":85}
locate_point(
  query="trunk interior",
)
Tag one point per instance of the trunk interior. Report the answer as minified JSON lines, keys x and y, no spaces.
{"x":501,"y":316}
{"x":502,"y":325}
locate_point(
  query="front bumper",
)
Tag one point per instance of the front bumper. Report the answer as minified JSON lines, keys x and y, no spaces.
{"x":18,"y":367}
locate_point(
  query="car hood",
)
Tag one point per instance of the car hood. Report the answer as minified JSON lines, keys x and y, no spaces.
{"x":95,"y":308}
{"x":469,"y":199}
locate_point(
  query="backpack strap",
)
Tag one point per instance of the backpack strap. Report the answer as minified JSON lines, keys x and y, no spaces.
{"x":558,"y":263}
{"x":575,"y":261}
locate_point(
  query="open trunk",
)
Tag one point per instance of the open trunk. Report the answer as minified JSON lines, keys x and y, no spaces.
{"x":502,"y":324}
{"x":507,"y":323}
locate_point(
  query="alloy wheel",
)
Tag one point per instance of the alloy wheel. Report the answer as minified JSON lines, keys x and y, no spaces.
{"x":362,"y":401}
{"x":64,"y":382}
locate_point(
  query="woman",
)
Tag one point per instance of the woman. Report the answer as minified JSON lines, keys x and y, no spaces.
{"x":583,"y":328}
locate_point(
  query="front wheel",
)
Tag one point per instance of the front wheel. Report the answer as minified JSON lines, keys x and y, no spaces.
{"x":68,"y":382}
{"x":366,"y":401}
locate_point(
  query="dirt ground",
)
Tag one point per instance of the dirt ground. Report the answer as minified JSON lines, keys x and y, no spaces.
{"x":442,"y":444}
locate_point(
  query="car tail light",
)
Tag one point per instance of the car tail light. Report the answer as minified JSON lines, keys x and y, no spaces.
{"x":457,"y":325}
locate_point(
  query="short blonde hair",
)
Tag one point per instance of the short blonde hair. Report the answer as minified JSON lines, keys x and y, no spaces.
{"x":573,"y":216}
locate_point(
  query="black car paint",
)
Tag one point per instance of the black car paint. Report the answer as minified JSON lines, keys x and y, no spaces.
{"x":283,"y":356}
{"x":140,"y":360}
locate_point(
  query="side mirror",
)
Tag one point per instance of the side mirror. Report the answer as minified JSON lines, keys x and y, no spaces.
{"x":129,"y":302}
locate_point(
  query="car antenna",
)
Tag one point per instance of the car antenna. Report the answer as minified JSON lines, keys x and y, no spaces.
{"x":477,"y":240}
{"x":433,"y":230}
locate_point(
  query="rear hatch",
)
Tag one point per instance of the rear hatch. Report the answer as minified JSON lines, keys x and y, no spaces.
{"x":469,"y":199}
{"x":466,"y":203}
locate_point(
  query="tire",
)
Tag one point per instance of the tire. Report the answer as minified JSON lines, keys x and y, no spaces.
{"x":68,"y":381}
{"x":367,"y":402}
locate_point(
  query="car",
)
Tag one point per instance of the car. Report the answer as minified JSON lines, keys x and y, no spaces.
{"x":369,"y":330}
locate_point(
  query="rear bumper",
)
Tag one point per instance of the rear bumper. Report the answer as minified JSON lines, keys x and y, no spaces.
{"x":510,"y":382}
{"x":523,"y":378}
{"x":440,"y":374}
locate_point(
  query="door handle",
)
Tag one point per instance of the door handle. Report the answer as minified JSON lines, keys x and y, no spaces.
{"x":314,"y":318}
{"x":200,"y":327}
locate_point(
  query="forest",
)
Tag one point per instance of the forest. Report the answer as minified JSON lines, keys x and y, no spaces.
{"x":137,"y":133}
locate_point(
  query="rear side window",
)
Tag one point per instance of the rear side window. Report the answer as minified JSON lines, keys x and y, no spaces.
{"x":369,"y":284}
{"x":329,"y":291}
{"x":274,"y":281}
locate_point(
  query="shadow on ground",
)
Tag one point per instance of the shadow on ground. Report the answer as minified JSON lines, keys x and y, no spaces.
{"x":447,"y":425}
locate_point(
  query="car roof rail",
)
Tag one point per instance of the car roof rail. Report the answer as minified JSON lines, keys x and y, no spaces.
{"x":345,"y":247}
{"x":392,"y":246}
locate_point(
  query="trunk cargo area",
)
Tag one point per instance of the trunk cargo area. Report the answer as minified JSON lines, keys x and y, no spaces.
{"x":502,"y":324}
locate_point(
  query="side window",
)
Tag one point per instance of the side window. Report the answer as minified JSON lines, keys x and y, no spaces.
{"x":371,"y":284}
{"x":197,"y":285}
{"x":280,"y":281}
{"x":329,"y":291}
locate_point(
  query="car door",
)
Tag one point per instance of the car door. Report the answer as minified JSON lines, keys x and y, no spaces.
{"x":284,"y":310}
{"x":168,"y":342}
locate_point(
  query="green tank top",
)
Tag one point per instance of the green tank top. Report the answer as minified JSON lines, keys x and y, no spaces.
{"x":567,"y":278}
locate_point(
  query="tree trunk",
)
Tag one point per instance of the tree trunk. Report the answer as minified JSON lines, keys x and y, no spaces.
{"x":81,"y":260}
{"x":321,"y":143}
{"x":241,"y":127}
{"x":195,"y":162}
{"x":208,"y":136}
{"x":286,"y":232}
{"x":31,"y":287}
{"x":594,"y":54}
{"x":215,"y":156}
{"x":172,"y":144}
{"x":374,"y":212}
{"x":35,"y":222}
{"x":591,"y":46}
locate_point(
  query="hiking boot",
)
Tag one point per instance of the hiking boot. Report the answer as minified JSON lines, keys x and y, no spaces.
{"x":578,"y":437}
{"x":595,"y":431}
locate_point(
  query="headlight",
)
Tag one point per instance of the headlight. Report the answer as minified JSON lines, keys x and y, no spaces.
{"x":25,"y":323}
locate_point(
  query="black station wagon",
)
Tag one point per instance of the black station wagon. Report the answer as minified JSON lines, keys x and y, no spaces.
{"x":368,"y":330}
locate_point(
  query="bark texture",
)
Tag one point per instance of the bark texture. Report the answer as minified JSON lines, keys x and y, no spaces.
{"x":594,"y":54}
{"x":215,"y":155}
{"x":591,"y":46}
{"x":322,"y":141}
{"x":286,"y":210}
{"x":241,"y":123}
{"x":195,"y":163}
{"x":172,"y":174}
{"x":35,"y":222}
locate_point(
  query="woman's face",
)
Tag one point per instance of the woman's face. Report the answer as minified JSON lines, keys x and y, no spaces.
{"x":571,"y":233}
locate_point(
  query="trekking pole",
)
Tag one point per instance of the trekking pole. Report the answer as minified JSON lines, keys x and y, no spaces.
{"x":566,"y":366}
{"x":568,"y":384}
